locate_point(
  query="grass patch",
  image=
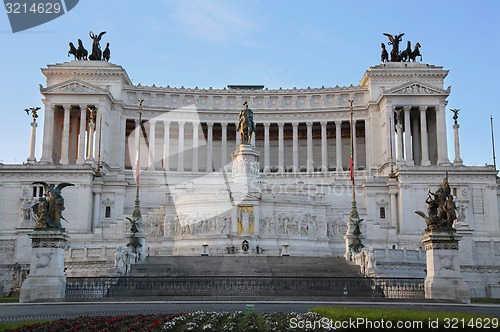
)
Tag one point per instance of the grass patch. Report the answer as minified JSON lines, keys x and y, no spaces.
{"x":485,"y":300}
{"x":443,"y":321}
{"x":9,"y":299}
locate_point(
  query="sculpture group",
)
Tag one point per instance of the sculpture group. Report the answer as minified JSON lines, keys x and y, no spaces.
{"x":49,"y":209}
{"x":406,"y":55}
{"x":80,"y":53}
{"x":441,"y":209}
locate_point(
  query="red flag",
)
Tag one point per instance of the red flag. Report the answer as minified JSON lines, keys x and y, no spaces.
{"x":351,"y":167}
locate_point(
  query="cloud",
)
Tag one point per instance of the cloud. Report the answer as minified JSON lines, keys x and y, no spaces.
{"x":218,"y":21}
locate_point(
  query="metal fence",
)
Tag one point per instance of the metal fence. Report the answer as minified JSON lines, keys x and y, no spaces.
{"x":241,"y":286}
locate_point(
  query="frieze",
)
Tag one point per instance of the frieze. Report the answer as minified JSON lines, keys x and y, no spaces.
{"x":7,"y":243}
{"x":73,"y":87}
{"x":437,"y":245}
{"x":48,"y":244}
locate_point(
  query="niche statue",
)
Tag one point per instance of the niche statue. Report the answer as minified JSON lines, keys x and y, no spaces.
{"x":49,"y":209}
{"x":441,"y":209}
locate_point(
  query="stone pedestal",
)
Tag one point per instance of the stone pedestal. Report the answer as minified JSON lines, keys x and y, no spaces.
{"x":245,"y":192}
{"x":246,"y":167}
{"x":46,"y":279}
{"x":444,"y":280}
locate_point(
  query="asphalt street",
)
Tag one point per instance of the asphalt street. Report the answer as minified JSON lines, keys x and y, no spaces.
{"x":19,"y":312}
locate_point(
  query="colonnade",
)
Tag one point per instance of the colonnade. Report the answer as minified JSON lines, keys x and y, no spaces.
{"x":418,"y":135}
{"x":186,"y":146}
{"x":69,"y":134}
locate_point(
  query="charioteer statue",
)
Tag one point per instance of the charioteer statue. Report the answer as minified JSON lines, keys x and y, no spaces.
{"x":441,"y":209}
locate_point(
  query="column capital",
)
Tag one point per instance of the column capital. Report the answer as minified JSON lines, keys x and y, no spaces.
{"x":309,"y":123}
{"x":153,"y":122}
{"x":295,"y":124}
{"x":223,"y":124}
{"x":422,"y":108}
{"x":210,"y":124}
{"x":338,"y":123}
{"x":166,"y":123}
{"x":83,"y":107}
{"x":266,"y":125}
{"x":181,"y":123}
{"x":281,"y":124}
{"x":66,"y":106}
{"x":324,"y":123}
{"x":406,"y":108}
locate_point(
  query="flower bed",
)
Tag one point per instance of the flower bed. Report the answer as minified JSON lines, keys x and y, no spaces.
{"x":198,"y":321}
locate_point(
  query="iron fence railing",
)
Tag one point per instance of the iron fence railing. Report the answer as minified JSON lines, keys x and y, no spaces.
{"x":244,"y":286}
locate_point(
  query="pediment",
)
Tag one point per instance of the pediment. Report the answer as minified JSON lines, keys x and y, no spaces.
{"x":416,"y":88}
{"x":73,"y":87}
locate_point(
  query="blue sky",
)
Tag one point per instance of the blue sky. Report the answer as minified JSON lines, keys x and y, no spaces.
{"x":278,"y":43}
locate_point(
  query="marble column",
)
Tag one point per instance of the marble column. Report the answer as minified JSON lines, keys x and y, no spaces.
{"x":31,"y":158}
{"x":441,"y":135}
{"x":408,"y":147}
{"x":393,"y":190}
{"x":65,"y":136}
{"x":90,"y":143}
{"x":416,"y":140}
{"x":223,"y":148}
{"x":180,"y":147}
{"x":281,"y":148}
{"x":83,"y":130}
{"x":210,"y":167}
{"x":324,"y":147}
{"x":166,"y":145}
{"x":97,"y":207}
{"x":295,"y":147}
{"x":152,"y":144}
{"x":48,"y":130}
{"x":391,"y":144}
{"x":238,"y":138}
{"x":423,"y":136}
{"x":195,"y":165}
{"x":458,"y":161}
{"x":399,"y":133}
{"x":266,"y":147}
{"x":310,"y":161}
{"x":338,"y":145}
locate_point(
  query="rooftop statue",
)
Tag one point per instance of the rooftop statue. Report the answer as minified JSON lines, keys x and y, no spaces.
{"x":96,"y":47}
{"x":49,"y":208}
{"x":406,"y":55}
{"x":246,"y":125}
{"x":441,"y":209}
{"x":394,"y":41}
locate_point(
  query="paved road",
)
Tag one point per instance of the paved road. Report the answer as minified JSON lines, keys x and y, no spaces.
{"x":18,"y":312}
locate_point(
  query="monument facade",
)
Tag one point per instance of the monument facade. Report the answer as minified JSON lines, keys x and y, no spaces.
{"x":297,"y":156}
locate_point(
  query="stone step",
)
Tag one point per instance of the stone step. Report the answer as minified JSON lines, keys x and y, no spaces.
{"x":252,"y":265}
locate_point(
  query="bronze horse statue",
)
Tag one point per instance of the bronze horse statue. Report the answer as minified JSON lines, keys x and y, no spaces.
{"x":246,"y":125}
{"x":72,"y":50}
{"x":384,"y":57}
{"x":415,"y":53}
{"x":405,"y":55}
{"x":81,"y":52}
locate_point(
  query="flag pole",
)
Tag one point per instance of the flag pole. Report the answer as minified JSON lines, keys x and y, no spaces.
{"x":352,"y":236}
{"x":493,"y":142}
{"x":137,"y":212}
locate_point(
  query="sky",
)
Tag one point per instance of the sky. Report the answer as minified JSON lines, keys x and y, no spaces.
{"x":278,"y":43}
